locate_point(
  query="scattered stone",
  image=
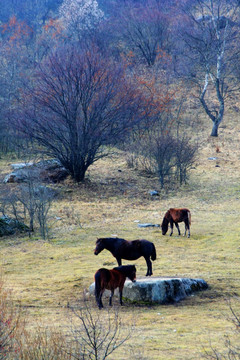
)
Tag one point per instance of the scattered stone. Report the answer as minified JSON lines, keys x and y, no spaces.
{"x":159,"y":290}
{"x":153,"y":193}
{"x":148,"y":225}
{"x":212,"y":158}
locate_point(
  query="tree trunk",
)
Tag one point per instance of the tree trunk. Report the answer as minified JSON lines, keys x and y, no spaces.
{"x":215,"y":129}
{"x":79,"y":171}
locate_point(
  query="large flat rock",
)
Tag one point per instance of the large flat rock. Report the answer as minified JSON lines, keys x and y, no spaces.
{"x":159,"y":290}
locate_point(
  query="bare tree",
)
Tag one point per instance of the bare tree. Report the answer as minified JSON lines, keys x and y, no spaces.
{"x":81,"y":103}
{"x":97,"y":336}
{"x":185,"y":154}
{"x":30,"y":199}
{"x":211,"y":34}
{"x":145,"y":29}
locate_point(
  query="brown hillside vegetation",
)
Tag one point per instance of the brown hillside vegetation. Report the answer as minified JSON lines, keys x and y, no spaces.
{"x":46,"y":276}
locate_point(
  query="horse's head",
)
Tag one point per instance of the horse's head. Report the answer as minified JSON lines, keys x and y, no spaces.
{"x":99,"y":246}
{"x":164,"y":226}
{"x":132,"y":273}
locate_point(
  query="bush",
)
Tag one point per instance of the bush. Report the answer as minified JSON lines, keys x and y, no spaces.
{"x":42,"y":344}
{"x":9,"y":325}
{"x":30,"y":199}
{"x":185,"y":155}
{"x":168,"y":157}
{"x":96,"y":336}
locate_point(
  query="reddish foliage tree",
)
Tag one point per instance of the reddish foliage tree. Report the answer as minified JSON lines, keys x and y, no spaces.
{"x":81,"y":102}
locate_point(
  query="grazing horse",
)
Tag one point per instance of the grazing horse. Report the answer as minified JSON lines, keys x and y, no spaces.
{"x":112,"y":279}
{"x":174,"y":216}
{"x":128,"y":250}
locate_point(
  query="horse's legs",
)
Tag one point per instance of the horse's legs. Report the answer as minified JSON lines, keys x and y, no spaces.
{"x":149,"y":266}
{"x":119,"y":261}
{"x":187,"y":227}
{"x":98,"y":296}
{"x":120,"y":292}
{"x":110,"y":299}
{"x":177,"y":226}
{"x":171,"y":226}
{"x":99,"y":300}
{"x":120,"y":297}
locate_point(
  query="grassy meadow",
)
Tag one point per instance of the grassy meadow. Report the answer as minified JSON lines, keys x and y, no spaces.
{"x":46,"y":276}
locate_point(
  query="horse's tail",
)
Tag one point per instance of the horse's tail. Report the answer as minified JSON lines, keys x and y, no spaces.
{"x":97,"y":284}
{"x":189,"y":217}
{"x":153,"y":254}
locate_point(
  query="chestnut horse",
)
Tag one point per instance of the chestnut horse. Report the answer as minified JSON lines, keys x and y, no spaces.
{"x":174,"y":216}
{"x":128,"y":250}
{"x":112,"y":279}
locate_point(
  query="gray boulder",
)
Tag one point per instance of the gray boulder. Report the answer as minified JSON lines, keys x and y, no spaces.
{"x":159,"y":290}
{"x":45,"y":170}
{"x":9,"y":226}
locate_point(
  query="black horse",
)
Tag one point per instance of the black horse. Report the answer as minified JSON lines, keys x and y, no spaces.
{"x":128,"y":250}
{"x":111,"y":280}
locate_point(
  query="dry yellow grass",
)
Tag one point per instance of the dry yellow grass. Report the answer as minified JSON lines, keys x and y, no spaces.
{"x":47,"y":275}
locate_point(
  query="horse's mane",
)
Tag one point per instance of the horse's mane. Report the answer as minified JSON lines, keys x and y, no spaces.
{"x":110,"y":238}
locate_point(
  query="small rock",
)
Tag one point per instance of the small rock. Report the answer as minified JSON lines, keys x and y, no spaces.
{"x":148,"y":225}
{"x":153,"y":193}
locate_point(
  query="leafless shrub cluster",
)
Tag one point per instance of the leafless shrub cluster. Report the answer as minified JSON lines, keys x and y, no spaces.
{"x":10,"y":324}
{"x":42,"y":344}
{"x":168,"y":157}
{"x":30,"y":200}
{"x":96,"y":335}
{"x":93,"y":335}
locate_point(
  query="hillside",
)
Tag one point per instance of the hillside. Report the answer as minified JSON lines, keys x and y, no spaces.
{"x":47,"y":276}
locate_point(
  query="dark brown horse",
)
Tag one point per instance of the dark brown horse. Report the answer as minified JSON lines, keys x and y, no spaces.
{"x":111,"y":280}
{"x":175,"y":216}
{"x":128,"y":250}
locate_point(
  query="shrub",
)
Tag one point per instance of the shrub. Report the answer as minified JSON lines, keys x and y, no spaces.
{"x":9,"y":324}
{"x":168,"y":157}
{"x":96,"y":336}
